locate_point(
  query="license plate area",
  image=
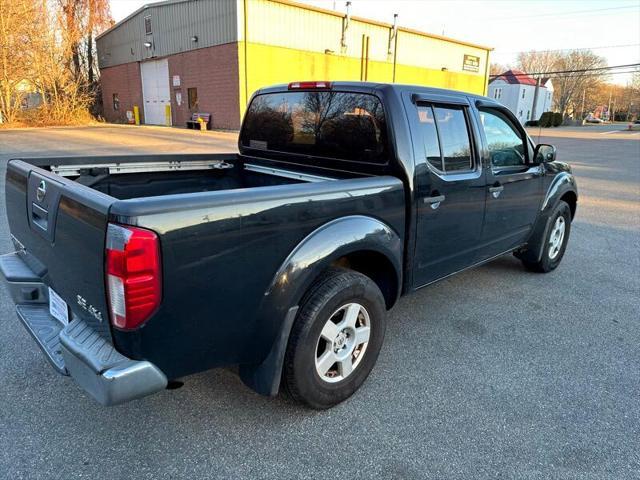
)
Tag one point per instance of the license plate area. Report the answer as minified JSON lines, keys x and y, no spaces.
{"x":58,"y":308}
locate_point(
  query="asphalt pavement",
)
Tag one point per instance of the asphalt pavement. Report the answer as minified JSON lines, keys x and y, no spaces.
{"x":494,"y":373}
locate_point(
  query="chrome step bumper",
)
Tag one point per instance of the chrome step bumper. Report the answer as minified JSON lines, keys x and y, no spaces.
{"x":77,"y":349}
{"x":45,"y":330}
{"x":110,"y":377}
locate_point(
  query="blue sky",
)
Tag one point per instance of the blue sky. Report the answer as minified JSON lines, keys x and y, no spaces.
{"x":610,"y":27}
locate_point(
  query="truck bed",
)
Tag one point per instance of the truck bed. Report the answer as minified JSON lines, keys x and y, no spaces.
{"x":225,"y":226}
{"x":141,"y":176}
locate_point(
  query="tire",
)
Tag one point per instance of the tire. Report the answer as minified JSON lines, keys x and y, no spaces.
{"x":555,"y":241}
{"x":345,"y":299}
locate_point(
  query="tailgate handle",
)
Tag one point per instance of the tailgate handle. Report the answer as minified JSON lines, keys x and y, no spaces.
{"x":40,"y":216}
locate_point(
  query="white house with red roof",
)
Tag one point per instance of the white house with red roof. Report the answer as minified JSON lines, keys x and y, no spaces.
{"x":516,"y":91}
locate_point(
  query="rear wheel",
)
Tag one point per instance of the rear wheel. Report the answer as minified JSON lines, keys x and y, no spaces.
{"x":555,"y":242}
{"x":335,"y":339}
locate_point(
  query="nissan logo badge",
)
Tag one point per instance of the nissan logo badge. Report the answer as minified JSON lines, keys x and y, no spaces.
{"x":41,"y":191}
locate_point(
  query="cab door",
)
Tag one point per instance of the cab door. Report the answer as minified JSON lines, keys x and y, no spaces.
{"x":514,"y":183}
{"x":449,"y":187}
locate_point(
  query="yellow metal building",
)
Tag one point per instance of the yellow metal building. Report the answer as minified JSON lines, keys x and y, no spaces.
{"x":174,"y":58}
{"x":283,"y":41}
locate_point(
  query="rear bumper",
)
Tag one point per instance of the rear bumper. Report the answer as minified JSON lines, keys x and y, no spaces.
{"x":107,"y":375}
{"x":77,"y":349}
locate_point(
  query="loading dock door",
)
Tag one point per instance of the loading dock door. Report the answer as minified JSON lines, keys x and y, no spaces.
{"x":155,"y":91}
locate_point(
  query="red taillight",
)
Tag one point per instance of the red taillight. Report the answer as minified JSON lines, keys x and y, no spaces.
{"x":309,"y":85}
{"x":134,"y":284}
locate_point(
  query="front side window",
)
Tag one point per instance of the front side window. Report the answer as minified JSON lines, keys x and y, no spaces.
{"x":116,"y":102}
{"x":523,"y":92}
{"x":505,"y":144}
{"x":147,"y":25}
{"x":498,"y":93}
{"x":326,"y":124}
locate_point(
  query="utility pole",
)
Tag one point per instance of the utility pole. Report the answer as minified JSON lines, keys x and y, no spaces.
{"x":609,"y":107}
{"x":584,"y":94}
{"x":613,"y":111}
{"x":535,"y":100}
{"x":346,"y":20}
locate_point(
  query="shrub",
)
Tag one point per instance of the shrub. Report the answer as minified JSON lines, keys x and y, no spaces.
{"x":557,"y":119}
{"x":546,"y":120}
{"x":532,"y":123}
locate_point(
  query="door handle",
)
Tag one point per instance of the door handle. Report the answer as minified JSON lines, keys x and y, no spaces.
{"x":496,"y":191}
{"x":434,"y":201}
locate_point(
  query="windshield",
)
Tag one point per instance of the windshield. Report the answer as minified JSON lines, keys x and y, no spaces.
{"x":336,"y":125}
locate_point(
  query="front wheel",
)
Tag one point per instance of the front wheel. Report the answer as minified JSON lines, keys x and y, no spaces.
{"x":555,"y":242}
{"x":335,"y":339}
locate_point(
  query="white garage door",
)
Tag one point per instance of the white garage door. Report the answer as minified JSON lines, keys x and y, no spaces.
{"x":155,"y":91}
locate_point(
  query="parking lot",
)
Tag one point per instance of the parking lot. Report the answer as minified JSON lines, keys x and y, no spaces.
{"x":494,"y":373}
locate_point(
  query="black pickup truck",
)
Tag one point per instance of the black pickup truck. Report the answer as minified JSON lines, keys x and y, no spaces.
{"x":132,"y":272}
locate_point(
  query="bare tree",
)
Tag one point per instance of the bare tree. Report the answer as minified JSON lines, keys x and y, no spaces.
{"x":18,"y":20}
{"x":82,"y":19}
{"x":538,"y":61}
{"x":50,"y":45}
{"x":568,"y":87}
{"x":497,"y":69}
{"x":98,"y":19}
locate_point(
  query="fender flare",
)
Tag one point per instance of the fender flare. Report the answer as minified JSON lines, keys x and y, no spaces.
{"x":307,"y":261}
{"x":563,"y":182}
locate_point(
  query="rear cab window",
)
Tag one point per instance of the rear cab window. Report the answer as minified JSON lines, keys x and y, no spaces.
{"x":445,"y":138}
{"x":334,"y":125}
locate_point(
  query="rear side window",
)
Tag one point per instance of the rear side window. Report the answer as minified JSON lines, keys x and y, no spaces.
{"x":454,"y":139}
{"x":335,"y":125}
{"x":430,"y":142}
{"x":445,"y":138}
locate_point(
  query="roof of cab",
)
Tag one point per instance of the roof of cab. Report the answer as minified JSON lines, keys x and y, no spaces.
{"x":377,"y":86}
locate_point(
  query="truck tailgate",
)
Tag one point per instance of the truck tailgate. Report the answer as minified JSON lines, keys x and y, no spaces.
{"x":61,"y":225}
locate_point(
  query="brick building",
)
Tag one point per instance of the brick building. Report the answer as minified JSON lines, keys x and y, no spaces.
{"x":178,"y":57}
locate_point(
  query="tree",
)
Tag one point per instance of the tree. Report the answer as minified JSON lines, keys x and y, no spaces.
{"x":497,"y":69}
{"x":99,"y":19}
{"x":50,"y":45}
{"x":569,"y":87}
{"x":18,"y":28}
{"x":538,"y":61}
{"x":82,"y":20}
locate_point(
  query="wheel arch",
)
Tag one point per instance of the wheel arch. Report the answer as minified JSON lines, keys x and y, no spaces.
{"x":563,"y":188}
{"x":378,"y":268}
{"x":346,"y":240}
{"x":356,"y":241}
{"x":571,"y":198}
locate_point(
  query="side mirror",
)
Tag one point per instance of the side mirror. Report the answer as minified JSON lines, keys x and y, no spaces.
{"x":544,"y":153}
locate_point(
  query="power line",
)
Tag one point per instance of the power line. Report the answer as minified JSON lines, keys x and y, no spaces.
{"x":603,"y":47}
{"x":614,"y":67}
{"x":595,"y":74}
{"x":557,"y":14}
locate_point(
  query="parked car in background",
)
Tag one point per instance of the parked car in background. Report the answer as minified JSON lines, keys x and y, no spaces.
{"x":592,"y":119}
{"x":282,"y":259}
